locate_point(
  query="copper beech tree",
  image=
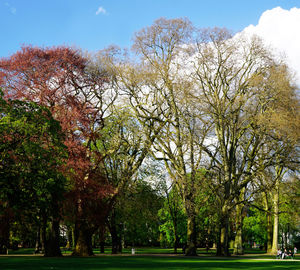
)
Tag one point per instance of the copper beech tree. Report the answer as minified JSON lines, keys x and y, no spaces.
{"x":61,"y":79}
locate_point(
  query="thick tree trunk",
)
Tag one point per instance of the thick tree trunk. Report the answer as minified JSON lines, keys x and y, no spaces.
{"x":102,"y":238}
{"x":73,"y":238}
{"x":276,"y":218}
{"x":115,"y":239}
{"x":38,"y":244}
{"x":83,"y":240}
{"x":238,"y":241}
{"x":44,"y":237}
{"x":223,"y":243}
{"x":102,"y":247}
{"x":4,"y":233}
{"x":70,"y":241}
{"x":269,"y":232}
{"x":269,"y":223}
{"x":191,"y":249}
{"x":52,"y":248}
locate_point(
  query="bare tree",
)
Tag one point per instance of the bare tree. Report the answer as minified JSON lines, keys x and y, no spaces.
{"x":237,"y":79}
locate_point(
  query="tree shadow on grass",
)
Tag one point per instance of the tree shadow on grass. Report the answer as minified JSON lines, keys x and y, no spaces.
{"x":140,"y":262}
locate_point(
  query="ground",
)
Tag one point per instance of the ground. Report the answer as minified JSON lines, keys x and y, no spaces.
{"x":159,"y":259}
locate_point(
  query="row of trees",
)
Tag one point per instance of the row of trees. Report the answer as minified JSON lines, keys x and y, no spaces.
{"x":220,"y":112}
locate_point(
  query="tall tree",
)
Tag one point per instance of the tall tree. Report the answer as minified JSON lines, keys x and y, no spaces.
{"x":173,"y":218}
{"x":31,"y":157}
{"x":73,"y":89}
{"x":156,"y":91}
{"x":124,"y":148}
{"x":281,"y":122}
{"x":232,"y":75}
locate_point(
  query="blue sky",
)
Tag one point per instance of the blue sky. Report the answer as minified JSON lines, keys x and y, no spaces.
{"x":77,"y":22}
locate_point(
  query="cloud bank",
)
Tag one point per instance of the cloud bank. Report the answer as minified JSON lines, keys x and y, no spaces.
{"x":279,"y":28}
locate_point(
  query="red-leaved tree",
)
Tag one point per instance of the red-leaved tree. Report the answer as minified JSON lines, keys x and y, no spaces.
{"x":61,"y":79}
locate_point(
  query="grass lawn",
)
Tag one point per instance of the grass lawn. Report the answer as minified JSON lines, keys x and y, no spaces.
{"x":141,"y":262}
{"x":140,"y":250}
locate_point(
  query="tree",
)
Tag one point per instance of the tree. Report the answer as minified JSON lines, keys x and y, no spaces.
{"x":73,"y":89}
{"x":156,"y":90}
{"x":173,"y":219}
{"x":281,"y":119}
{"x":289,"y":218}
{"x":254,"y":227}
{"x":231,"y":75}
{"x":124,"y":148}
{"x":137,"y":214}
{"x":263,"y":201}
{"x":31,"y":156}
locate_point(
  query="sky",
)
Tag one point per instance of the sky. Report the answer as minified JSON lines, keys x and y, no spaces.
{"x":95,"y":24}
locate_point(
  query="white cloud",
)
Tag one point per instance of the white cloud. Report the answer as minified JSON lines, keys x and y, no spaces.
{"x":101,"y":10}
{"x":279,"y":28}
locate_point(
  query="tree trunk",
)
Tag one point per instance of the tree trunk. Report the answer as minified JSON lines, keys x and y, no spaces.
{"x":38,"y":245}
{"x":269,"y":232}
{"x":276,"y":218}
{"x":52,"y":248}
{"x":238,"y":241}
{"x":114,"y":239}
{"x":191,"y":249}
{"x":176,"y":240}
{"x":73,"y":238}
{"x":223,"y":243}
{"x":102,"y":247}
{"x":4,"y":232}
{"x":102,"y":238}
{"x":70,"y":240}
{"x":44,"y":230}
{"x":83,"y":240}
{"x":269,"y":223}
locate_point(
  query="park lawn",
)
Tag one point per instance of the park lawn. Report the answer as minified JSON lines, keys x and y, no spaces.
{"x":140,"y":262}
{"x":138,"y":250}
{"x":149,"y":250}
{"x":250,"y":254}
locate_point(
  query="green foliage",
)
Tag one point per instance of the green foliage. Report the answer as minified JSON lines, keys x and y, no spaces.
{"x":289,"y":210}
{"x":31,"y":156}
{"x":254,"y":226}
{"x":138,"y":212}
{"x":173,"y":220}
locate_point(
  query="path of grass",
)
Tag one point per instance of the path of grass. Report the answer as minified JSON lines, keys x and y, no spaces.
{"x":141,"y":262}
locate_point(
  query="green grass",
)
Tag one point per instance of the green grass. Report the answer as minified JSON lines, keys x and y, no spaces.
{"x":141,"y":262}
{"x":21,"y":251}
{"x":139,"y":250}
{"x":249,"y":253}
